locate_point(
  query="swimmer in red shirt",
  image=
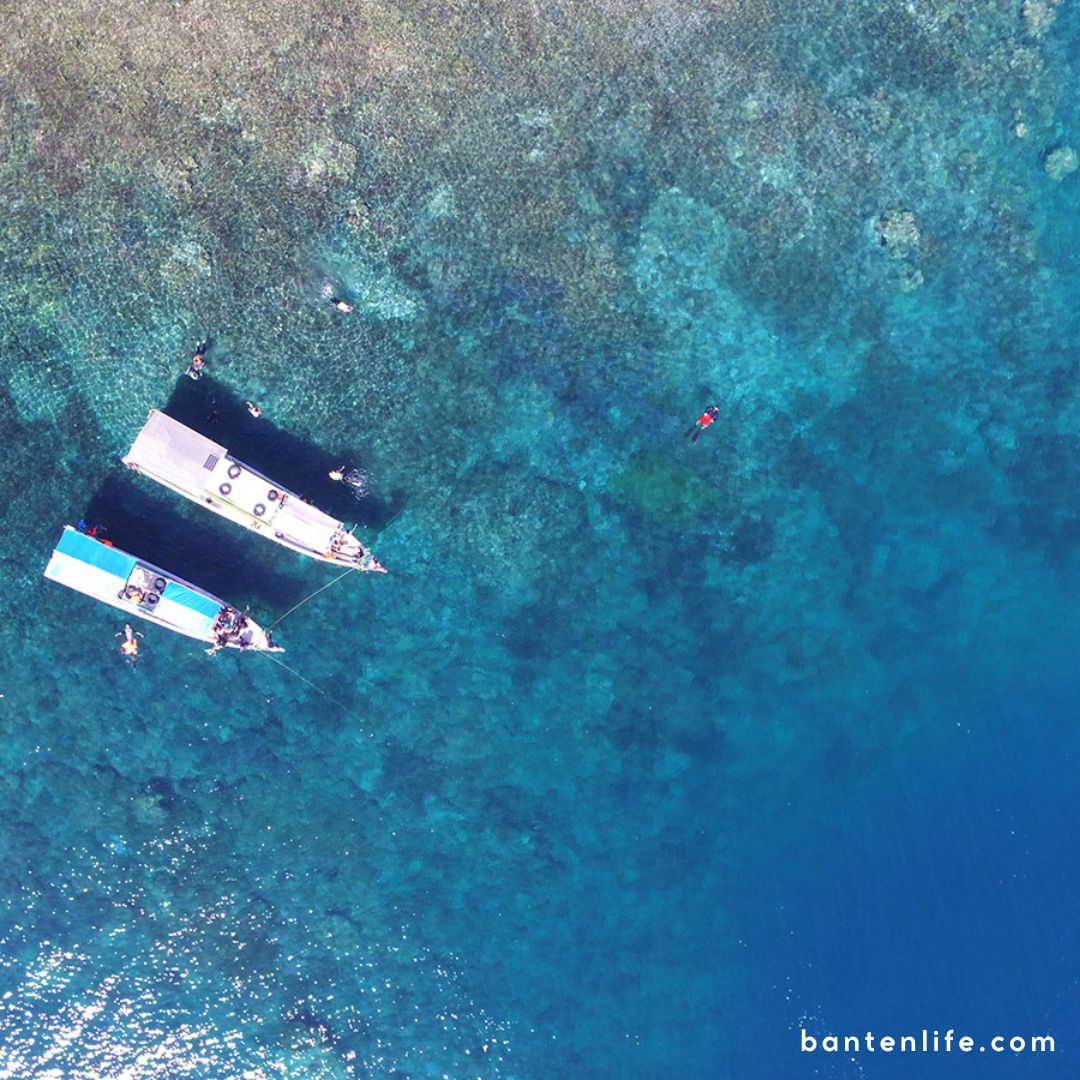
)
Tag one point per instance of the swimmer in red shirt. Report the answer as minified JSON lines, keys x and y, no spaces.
{"x":701,"y":423}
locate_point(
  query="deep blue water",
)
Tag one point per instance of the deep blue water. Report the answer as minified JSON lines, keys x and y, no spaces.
{"x":645,"y":755}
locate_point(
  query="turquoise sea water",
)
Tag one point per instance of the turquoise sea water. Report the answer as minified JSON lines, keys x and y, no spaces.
{"x":644,"y":755}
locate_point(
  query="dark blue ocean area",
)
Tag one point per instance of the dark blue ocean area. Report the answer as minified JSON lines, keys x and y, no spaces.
{"x":647,"y":756}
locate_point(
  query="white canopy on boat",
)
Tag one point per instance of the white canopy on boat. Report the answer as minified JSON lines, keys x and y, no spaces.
{"x":204,"y":471}
{"x":308,"y":525}
{"x":168,"y":451}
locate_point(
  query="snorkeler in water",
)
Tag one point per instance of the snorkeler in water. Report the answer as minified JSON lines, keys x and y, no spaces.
{"x":129,"y":647}
{"x":198,"y":360}
{"x":341,"y":305}
{"x":701,"y":423}
{"x":354,"y":479}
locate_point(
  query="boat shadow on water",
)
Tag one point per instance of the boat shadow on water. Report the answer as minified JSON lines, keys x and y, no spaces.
{"x":194,"y":546}
{"x":215,"y":411}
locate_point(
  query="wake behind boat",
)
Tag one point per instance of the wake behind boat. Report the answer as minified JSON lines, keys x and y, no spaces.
{"x":203,"y":471}
{"x":136,"y":587}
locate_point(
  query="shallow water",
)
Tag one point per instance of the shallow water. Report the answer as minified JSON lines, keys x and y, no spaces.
{"x":645,"y":754}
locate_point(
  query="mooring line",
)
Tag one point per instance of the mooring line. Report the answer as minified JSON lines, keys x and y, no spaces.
{"x":314,"y":594}
{"x":291,"y":671}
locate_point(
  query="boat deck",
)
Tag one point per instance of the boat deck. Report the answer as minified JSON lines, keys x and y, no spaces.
{"x":203,"y":471}
{"x":136,"y":587}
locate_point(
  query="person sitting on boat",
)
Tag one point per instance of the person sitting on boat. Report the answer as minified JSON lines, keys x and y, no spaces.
{"x":220,"y":631}
{"x":702,"y":422}
{"x":370,"y":564}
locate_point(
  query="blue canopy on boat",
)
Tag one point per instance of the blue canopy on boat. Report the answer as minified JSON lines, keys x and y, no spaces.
{"x":93,"y":552}
{"x":180,"y":594}
{"x":116,"y":578}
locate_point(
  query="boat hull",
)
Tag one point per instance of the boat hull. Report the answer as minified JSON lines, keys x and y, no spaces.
{"x":204,"y":472}
{"x":145,"y":591}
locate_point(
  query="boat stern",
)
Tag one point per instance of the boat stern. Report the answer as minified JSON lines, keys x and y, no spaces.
{"x":233,"y":629}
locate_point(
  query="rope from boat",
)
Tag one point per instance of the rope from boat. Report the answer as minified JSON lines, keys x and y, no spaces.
{"x":291,"y":671}
{"x":312,"y":596}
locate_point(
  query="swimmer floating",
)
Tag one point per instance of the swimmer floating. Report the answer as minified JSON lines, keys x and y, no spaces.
{"x":198,"y":361}
{"x":129,"y":647}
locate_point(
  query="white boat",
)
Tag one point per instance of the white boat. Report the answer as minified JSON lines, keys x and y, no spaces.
{"x":204,"y":472}
{"x":96,"y":568}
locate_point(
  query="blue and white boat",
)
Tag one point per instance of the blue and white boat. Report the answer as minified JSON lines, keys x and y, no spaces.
{"x":98,"y":569}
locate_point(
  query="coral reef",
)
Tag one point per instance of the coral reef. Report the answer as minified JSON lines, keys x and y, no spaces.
{"x":898,"y":233}
{"x":1039,"y":15}
{"x":1059,"y":162}
{"x":487,"y":821}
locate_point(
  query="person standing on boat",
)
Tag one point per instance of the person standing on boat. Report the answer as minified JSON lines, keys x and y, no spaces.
{"x":701,"y":423}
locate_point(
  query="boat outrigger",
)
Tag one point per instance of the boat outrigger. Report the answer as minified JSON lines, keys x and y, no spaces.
{"x":100,"y":570}
{"x":204,"y":472}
